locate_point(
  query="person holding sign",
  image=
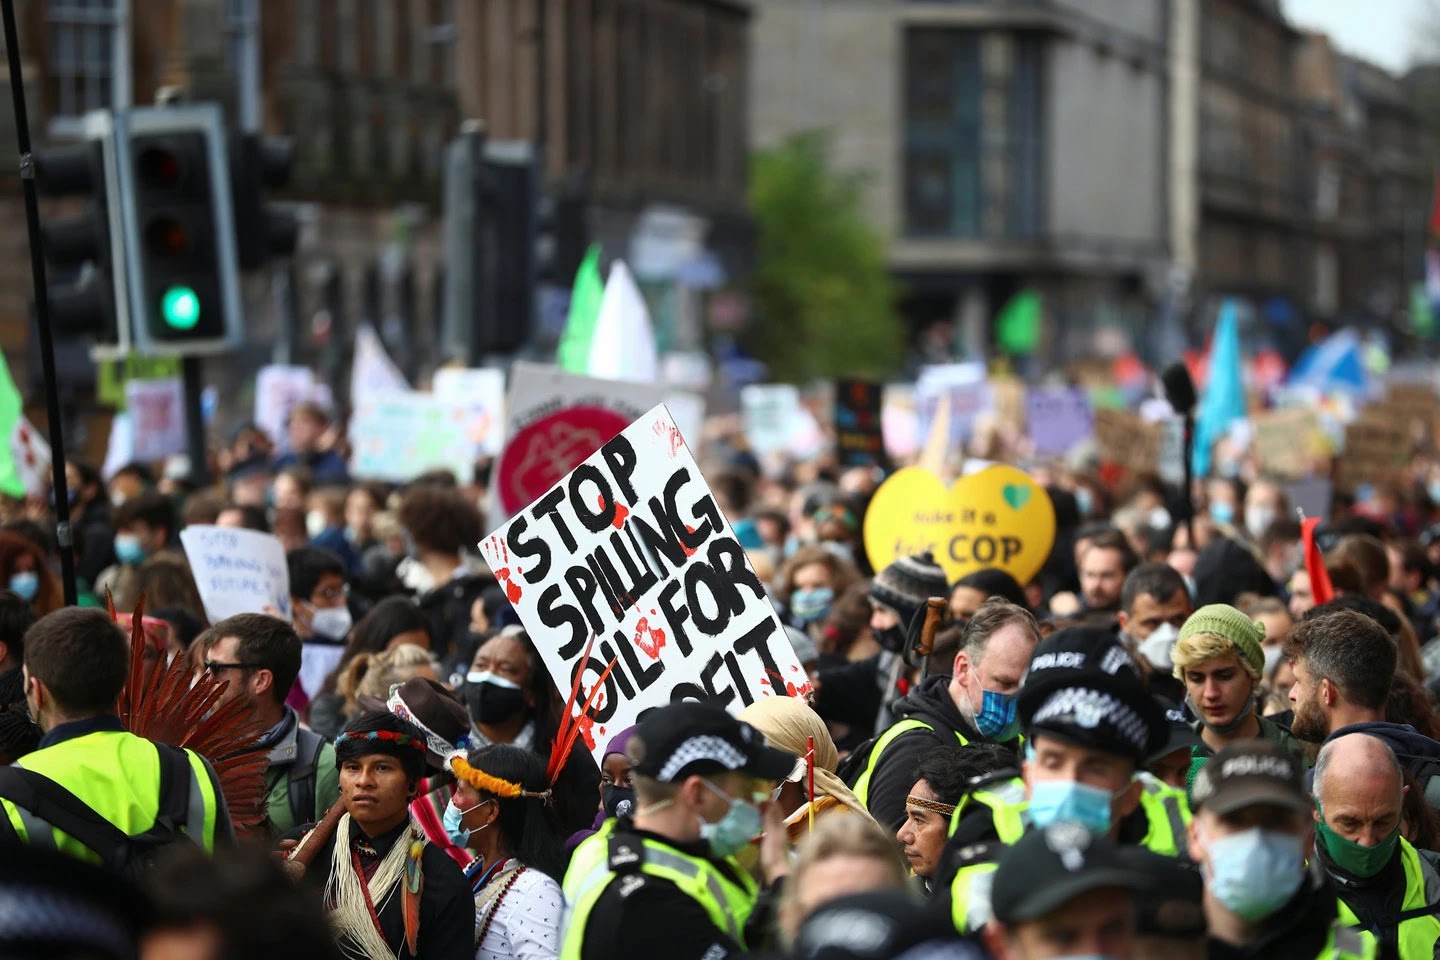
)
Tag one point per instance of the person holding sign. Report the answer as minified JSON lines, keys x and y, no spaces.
{"x":665,"y":882}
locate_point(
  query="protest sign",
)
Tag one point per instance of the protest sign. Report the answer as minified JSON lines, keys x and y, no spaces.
{"x":859,"y":436}
{"x":1376,"y":451}
{"x":554,"y":420}
{"x":997,"y":517}
{"x":968,"y":387}
{"x":631,"y":549}
{"x":481,"y":394}
{"x":1124,"y":438}
{"x":157,"y":417}
{"x":1285,"y":441}
{"x":373,"y":372}
{"x":278,"y":391}
{"x":397,"y":435}
{"x":772,"y":416}
{"x":111,"y":376}
{"x":1057,"y":418}
{"x":237,"y":571}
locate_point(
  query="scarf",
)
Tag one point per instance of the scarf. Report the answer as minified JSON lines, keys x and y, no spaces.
{"x":787,"y":724}
{"x":357,"y":928}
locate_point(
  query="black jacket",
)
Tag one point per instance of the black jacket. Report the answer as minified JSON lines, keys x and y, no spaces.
{"x":894,"y":773}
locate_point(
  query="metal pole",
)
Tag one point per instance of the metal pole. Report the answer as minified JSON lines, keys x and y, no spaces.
{"x":190,"y":372}
{"x":64,"y":538}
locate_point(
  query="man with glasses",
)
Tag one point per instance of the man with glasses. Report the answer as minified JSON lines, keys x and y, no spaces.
{"x":318,"y":595}
{"x":258,"y":657}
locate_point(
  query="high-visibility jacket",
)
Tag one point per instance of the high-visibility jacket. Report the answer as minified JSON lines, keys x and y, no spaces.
{"x":116,"y":774}
{"x":609,"y":854}
{"x":1167,"y":810}
{"x":1417,"y":936}
{"x":861,"y":786}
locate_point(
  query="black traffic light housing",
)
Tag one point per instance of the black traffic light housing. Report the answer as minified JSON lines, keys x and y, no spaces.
{"x":258,"y":164}
{"x":79,"y":250}
{"x":564,"y":233}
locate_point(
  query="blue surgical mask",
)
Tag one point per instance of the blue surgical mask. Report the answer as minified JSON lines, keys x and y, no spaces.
{"x":998,"y":720}
{"x":729,"y":835}
{"x":1052,"y":801}
{"x":25,"y":585}
{"x":451,"y":821}
{"x":808,"y":605}
{"x":128,"y":549}
{"x":1084,"y":502}
{"x":1222,"y":512}
{"x":1255,"y":872}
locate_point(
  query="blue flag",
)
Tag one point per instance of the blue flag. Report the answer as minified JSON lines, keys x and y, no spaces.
{"x":1223,"y":401}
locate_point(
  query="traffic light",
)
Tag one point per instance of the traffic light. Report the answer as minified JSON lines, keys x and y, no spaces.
{"x":564,"y":235}
{"x":258,"y":163}
{"x":80,"y":254}
{"x":182,"y":280}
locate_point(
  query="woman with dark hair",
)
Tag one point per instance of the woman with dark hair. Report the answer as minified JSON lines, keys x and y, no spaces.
{"x":165,"y":580}
{"x":501,"y":812}
{"x":25,"y":573}
{"x":392,"y":622}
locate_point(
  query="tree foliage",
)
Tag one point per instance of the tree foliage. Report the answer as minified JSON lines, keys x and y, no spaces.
{"x":823,"y":296}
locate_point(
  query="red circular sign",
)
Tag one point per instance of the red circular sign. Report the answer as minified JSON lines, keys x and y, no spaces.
{"x":542,"y":453}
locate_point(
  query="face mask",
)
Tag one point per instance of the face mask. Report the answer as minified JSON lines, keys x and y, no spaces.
{"x":1224,"y":729}
{"x":492,"y":699}
{"x":1156,"y":647}
{"x":333,"y":623}
{"x":352,"y":536}
{"x":808,"y":605}
{"x":1084,"y":502}
{"x":891,"y":638}
{"x":998,"y":720}
{"x":729,"y":835}
{"x":315,"y":523}
{"x":117,"y":499}
{"x":1358,"y":861}
{"x":1255,"y":872}
{"x":1158,"y":518}
{"x":617,"y":801}
{"x":25,"y":585}
{"x":1055,"y":800}
{"x":1273,"y":656}
{"x":453,"y":815}
{"x":1222,"y":512}
{"x":1434,"y":490}
{"x":1258,"y":520}
{"x":128,"y":549}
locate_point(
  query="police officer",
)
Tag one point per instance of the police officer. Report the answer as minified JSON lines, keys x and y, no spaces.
{"x":76,"y":662}
{"x":1251,"y":834}
{"x":1385,"y":887}
{"x":1089,"y":724}
{"x":977,"y":703}
{"x":666,"y":883}
{"x":1063,"y":892}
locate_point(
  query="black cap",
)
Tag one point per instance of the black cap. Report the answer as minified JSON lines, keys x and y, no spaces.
{"x":1248,"y":773}
{"x":881,"y":925}
{"x":1171,"y":904}
{"x":1078,"y":648}
{"x":1049,"y":867}
{"x":685,"y":739}
{"x":52,"y":905}
{"x":1179,"y":732}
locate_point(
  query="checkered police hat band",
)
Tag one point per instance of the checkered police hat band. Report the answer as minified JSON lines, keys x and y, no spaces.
{"x":708,"y":747}
{"x":1087,"y":709}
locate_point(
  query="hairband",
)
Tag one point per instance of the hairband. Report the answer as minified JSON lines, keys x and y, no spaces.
{"x":481,"y":780}
{"x":399,"y":739}
{"x":923,"y":804}
{"x":438,"y":745}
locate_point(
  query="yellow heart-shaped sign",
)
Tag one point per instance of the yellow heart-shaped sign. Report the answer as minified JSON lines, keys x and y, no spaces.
{"x":997,"y":517}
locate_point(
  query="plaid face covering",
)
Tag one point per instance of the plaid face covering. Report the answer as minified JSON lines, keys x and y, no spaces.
{"x":999,"y":718}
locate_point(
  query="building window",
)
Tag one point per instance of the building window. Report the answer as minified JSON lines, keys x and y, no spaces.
{"x":89,"y":60}
{"x":972,"y":134}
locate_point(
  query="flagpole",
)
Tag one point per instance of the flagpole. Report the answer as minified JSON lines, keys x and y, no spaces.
{"x":64,"y":538}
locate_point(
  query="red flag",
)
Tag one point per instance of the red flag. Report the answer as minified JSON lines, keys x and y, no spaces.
{"x":1320,"y":589}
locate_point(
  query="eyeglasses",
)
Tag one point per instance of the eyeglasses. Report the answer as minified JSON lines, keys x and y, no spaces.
{"x":212,"y":666}
{"x":331,"y":594}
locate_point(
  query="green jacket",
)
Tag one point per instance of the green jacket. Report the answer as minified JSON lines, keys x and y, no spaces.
{"x":287,"y":762}
{"x":1269,"y":730}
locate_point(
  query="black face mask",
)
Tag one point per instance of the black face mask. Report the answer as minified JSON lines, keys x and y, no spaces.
{"x":891,"y":638}
{"x":617,"y":801}
{"x":489,"y":703}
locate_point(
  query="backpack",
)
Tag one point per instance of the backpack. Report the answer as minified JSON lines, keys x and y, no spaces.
{"x":304,"y":772}
{"x":855,"y":762}
{"x":130,"y":856}
{"x":1426,"y":773}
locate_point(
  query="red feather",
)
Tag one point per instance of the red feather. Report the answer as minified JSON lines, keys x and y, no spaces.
{"x":570,"y":720}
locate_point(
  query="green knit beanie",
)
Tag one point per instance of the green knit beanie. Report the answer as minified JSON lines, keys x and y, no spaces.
{"x":1225,"y":621}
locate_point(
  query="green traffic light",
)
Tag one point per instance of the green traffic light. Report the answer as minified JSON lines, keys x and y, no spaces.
{"x":180,"y":308}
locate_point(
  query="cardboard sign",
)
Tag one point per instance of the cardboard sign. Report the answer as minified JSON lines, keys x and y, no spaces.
{"x":968,"y":387}
{"x":997,"y":517}
{"x":237,"y":571}
{"x":554,"y":420}
{"x":157,"y":416}
{"x":1058,"y":418}
{"x":859,"y":435}
{"x":481,"y":394}
{"x":1376,"y":451}
{"x":631,"y":548}
{"x":1124,"y":438}
{"x":1285,"y":441}
{"x":397,"y":436}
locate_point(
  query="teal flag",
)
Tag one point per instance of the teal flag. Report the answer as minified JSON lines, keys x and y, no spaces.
{"x":574,"y":353}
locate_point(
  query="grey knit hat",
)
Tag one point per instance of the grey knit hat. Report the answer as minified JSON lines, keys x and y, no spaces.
{"x":907,"y":583}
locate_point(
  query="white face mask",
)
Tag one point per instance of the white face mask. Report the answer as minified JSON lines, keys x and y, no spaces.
{"x":1258,"y":520}
{"x":1156,"y":647}
{"x":315,"y":523}
{"x":333,"y":623}
{"x":1273,"y":655}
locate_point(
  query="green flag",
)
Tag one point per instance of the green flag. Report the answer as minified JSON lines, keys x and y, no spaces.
{"x":11,"y":409}
{"x":1017,"y":329}
{"x":574,"y":353}
{"x":1422,"y":318}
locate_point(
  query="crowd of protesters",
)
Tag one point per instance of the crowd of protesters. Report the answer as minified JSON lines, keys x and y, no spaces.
{"x":1163,"y":745}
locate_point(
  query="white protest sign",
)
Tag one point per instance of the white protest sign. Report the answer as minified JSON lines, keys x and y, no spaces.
{"x":397,"y":436}
{"x":631,"y":548}
{"x":237,"y":571}
{"x":554,"y":420}
{"x":278,"y":391}
{"x":968,"y":387}
{"x":157,"y":415}
{"x":373,"y":371}
{"x":30,"y":453}
{"x":481,"y":393}
{"x":772,"y":415}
